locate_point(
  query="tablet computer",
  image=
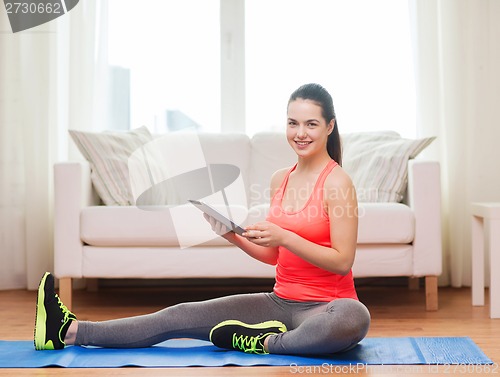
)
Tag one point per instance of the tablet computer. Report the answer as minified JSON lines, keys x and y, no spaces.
{"x":217,"y":216}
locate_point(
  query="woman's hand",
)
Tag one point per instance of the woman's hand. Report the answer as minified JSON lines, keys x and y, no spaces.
{"x":255,"y":247}
{"x":265,"y":233}
{"x":219,"y":228}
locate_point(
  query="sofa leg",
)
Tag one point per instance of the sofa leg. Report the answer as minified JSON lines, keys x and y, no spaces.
{"x":66,"y":292}
{"x":431,"y":293}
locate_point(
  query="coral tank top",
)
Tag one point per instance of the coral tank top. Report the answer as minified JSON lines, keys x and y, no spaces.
{"x":297,"y":279}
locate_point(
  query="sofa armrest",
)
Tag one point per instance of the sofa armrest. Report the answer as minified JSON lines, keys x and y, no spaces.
{"x":73,"y":190}
{"x":424,"y":197}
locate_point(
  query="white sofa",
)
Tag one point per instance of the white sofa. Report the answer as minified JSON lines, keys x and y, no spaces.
{"x":97,"y":241}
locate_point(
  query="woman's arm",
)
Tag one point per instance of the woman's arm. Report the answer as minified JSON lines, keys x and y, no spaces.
{"x":341,"y":203}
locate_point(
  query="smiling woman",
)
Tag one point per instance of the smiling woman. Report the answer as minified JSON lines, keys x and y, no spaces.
{"x":313,"y":308}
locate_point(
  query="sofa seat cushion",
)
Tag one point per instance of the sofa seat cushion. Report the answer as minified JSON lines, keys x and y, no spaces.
{"x":386,"y":259}
{"x":385,"y":223}
{"x":163,"y":226}
{"x":379,"y":223}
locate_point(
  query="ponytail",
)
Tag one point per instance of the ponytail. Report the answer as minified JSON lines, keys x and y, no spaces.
{"x":334,"y":145}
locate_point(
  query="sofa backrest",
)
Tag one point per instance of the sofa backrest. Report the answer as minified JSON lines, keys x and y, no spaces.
{"x":376,"y":161}
{"x":270,"y":151}
{"x":257,"y":158}
{"x":229,"y":148}
{"x":176,"y":155}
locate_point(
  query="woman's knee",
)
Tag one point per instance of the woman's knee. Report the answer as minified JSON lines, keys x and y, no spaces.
{"x":354,"y":315}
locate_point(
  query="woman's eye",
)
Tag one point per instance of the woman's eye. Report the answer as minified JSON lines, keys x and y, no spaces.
{"x":312,"y":125}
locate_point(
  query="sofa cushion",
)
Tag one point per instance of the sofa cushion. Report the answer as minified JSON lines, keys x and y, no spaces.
{"x":179,"y":166}
{"x":379,"y":223}
{"x":108,"y":153}
{"x":229,"y":148}
{"x":127,"y":164}
{"x":391,"y":223}
{"x":377,"y":163}
{"x":270,"y":152}
{"x":182,"y":226}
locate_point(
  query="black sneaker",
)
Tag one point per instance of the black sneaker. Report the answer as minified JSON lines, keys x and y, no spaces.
{"x":236,"y":335}
{"x":52,"y":317}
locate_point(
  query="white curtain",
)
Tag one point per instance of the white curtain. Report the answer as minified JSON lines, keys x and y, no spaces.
{"x":47,"y":77}
{"x":457,"y":55}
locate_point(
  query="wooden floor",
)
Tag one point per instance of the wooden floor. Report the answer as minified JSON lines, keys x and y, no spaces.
{"x":396,"y":311}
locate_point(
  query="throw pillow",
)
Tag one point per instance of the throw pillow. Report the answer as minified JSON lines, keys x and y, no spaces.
{"x":378,"y":163}
{"x":108,"y":153}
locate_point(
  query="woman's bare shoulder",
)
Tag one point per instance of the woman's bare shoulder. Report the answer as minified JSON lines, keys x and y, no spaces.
{"x":279,"y":175}
{"x":340,"y":183}
{"x":277,"y":178}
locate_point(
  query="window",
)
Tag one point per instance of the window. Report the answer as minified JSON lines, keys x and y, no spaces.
{"x":164,"y":58}
{"x":359,"y":50}
{"x":165,"y":61}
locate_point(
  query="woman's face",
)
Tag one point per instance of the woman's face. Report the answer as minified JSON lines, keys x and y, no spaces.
{"x":307,"y":131}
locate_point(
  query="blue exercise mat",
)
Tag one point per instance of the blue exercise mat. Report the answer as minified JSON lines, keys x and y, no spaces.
{"x":187,"y":352}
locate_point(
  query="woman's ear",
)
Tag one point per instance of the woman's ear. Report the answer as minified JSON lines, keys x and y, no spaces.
{"x":331,"y":126}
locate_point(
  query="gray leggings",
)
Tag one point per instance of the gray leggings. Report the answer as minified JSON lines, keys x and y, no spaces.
{"x":313,"y":327}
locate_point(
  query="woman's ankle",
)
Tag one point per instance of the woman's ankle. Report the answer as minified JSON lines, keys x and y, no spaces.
{"x":70,"y":337}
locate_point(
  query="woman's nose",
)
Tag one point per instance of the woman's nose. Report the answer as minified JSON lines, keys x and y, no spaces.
{"x":301,"y":132}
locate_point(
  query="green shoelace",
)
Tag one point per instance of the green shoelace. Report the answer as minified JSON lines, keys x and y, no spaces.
{"x":65,"y":319}
{"x":250,"y":344}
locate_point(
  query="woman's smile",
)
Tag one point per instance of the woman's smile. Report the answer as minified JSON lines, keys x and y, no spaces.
{"x":302,"y":144}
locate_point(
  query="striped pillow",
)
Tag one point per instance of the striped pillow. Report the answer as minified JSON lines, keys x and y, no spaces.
{"x":108,"y":153}
{"x":378,"y":163}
